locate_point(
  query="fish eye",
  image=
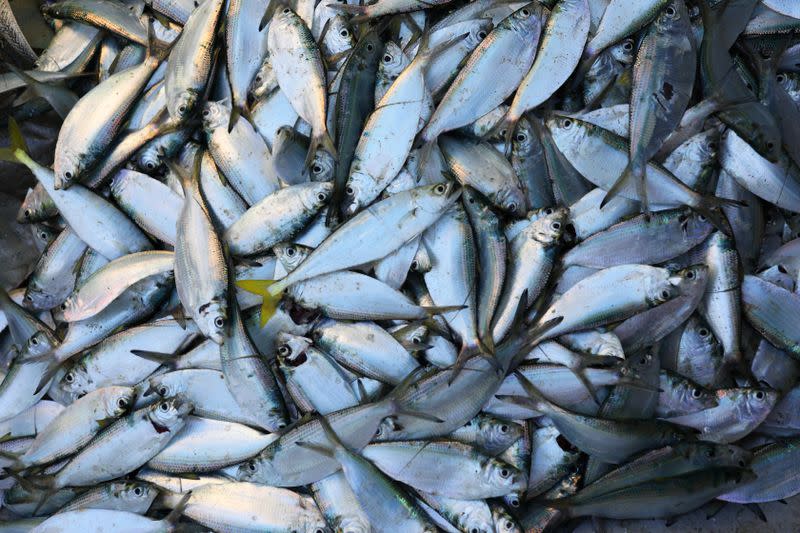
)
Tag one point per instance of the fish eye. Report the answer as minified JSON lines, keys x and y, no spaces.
{"x":150,"y":165}
{"x":68,"y":175}
{"x":770,"y":145}
{"x":742,"y":463}
{"x":369,"y":47}
{"x":665,"y":294}
{"x":548,"y":211}
{"x":206,"y":112}
{"x":138,"y":491}
{"x":780,"y":78}
{"x":414,"y":265}
{"x":703,"y":332}
{"x":290,"y":251}
{"x":696,"y":393}
{"x":514,"y":502}
{"x":284,"y":350}
{"x":286,"y":10}
{"x":322,"y":197}
{"x":474,"y":530}
{"x":258,"y":78}
{"x":512,"y":207}
{"x":69,"y":377}
{"x":162,"y":391}
{"x":521,"y":137}
{"x":252,"y":466}
{"x":34,"y":341}
{"x":566,"y":123}
{"x":43,"y":235}
{"x":387,"y":58}
{"x":670,"y":11}
{"x":28,"y":213}
{"x":344,"y":33}
{"x":439,"y":189}
{"x":122,"y":403}
{"x":281,"y":425}
{"x":712,"y":146}
{"x":319,"y":530}
{"x":556,"y":225}
{"x":481,"y":35}
{"x":628,"y":46}
{"x":509,"y":525}
{"x":349,"y":191}
{"x":316,"y":169}
{"x":219,"y":322}
{"x":27,"y":298}
{"x":690,"y":274}
{"x":525,"y":13}
{"x":504,"y":429}
{"x":504,"y":473}
{"x":760,"y":395}
{"x":182,"y":109}
{"x":164,"y":407}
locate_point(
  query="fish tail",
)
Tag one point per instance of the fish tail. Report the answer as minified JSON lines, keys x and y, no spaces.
{"x":18,"y":151}
{"x":320,"y":140}
{"x":48,"y":375}
{"x":360,"y":13}
{"x":466,"y":353}
{"x":60,"y":99}
{"x":178,"y":510}
{"x":165,"y":359}
{"x":16,"y":464}
{"x":270,"y":291}
{"x":631,"y":172}
{"x":711,"y":208}
{"x":237,"y":110}
{"x":432,"y":310}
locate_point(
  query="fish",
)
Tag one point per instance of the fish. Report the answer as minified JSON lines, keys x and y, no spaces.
{"x":457,"y":266}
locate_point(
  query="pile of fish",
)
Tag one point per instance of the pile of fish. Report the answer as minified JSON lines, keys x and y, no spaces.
{"x":485,"y":266}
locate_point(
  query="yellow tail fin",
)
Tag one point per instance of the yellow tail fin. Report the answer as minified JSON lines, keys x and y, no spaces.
{"x":269,"y":301}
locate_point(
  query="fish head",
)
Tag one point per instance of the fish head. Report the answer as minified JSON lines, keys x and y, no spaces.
{"x":68,"y":166}
{"x":436,"y":198}
{"x":503,"y":521}
{"x":525,"y":19}
{"x":215,"y":115}
{"x":290,"y":254}
{"x":182,"y":106}
{"x":170,"y":413}
{"x":661,"y":289}
{"x":478,"y":33}
{"x":134,"y":493}
{"x":698,"y":339}
{"x":567,"y":131}
{"x":472,"y":516}
{"x":624,"y":51}
{"x":358,"y":188}
{"x":165,"y":385}
{"x":149,"y":158}
{"x":497,"y":473}
{"x":549,"y":228}
{"x":39,"y":344}
{"x":710,"y":454}
{"x":258,"y":469}
{"x":693,"y":278}
{"x":393,"y":61}
{"x":497,"y":434}
{"x":317,"y":194}
{"x":291,"y":350}
{"x":264,"y":80}
{"x":523,"y":142}
{"x":690,"y":397}
{"x":752,"y":403}
{"x":117,"y":401}
{"x":351,"y":524}
{"x":511,"y":199}
{"x":76,"y":381}
{"x":675,"y":12}
{"x":323,"y":166}
{"x":338,"y":37}
{"x":212,"y":320}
